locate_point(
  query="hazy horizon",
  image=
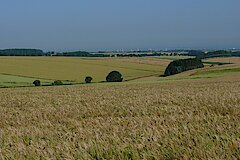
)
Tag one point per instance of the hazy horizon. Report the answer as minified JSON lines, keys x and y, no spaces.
{"x":60,"y":25}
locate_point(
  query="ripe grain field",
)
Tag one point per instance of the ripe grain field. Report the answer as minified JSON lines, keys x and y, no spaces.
{"x":196,"y":119}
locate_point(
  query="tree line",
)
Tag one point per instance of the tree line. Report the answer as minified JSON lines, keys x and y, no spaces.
{"x":212,"y":54}
{"x":113,"y":76}
{"x":22,"y":52}
{"x":38,"y":52}
{"x":196,"y":53}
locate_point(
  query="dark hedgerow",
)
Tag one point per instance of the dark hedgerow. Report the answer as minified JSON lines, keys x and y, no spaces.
{"x":37,"y":83}
{"x":182,"y":65}
{"x":114,"y":76}
{"x":88,"y":79}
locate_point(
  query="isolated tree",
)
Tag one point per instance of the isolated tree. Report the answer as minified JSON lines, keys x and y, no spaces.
{"x":114,"y":76}
{"x":37,"y":83}
{"x":88,"y":79}
{"x":57,"y":82}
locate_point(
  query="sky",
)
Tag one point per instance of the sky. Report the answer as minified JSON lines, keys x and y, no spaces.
{"x":69,"y":25}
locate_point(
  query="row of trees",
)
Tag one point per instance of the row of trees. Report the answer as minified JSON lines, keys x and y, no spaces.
{"x":21,"y":52}
{"x":113,"y":76}
{"x":80,"y":54}
{"x":220,"y":53}
{"x":36,"y":52}
{"x":197,"y":53}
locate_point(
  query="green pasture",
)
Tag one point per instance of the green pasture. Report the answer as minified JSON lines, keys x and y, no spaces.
{"x":215,"y":63}
{"x":17,"y":81}
{"x":216,"y":72}
{"x":22,"y":71}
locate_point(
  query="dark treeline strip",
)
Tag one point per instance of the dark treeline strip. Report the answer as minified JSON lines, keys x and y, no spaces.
{"x":21,"y":52}
{"x":37,"y":52}
{"x":80,"y":54}
{"x":220,"y":53}
{"x":196,"y":53}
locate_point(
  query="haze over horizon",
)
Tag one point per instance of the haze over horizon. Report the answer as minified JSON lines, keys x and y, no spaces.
{"x":109,"y":25}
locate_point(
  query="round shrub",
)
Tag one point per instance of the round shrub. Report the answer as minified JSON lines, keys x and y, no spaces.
{"x":37,"y":83}
{"x":88,"y":79}
{"x":114,"y":76}
{"x":57,"y":83}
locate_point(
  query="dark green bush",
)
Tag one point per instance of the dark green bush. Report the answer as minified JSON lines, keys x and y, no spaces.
{"x":88,"y":79}
{"x":182,"y":65}
{"x":114,"y":76}
{"x":37,"y":83}
{"x":57,"y":83}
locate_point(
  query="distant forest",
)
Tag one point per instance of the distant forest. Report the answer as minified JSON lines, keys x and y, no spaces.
{"x":196,"y":53}
{"x":38,"y":52}
{"x":212,"y":54}
{"x":21,"y":52}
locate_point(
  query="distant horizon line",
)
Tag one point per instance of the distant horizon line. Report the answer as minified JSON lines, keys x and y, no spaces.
{"x":123,"y":50}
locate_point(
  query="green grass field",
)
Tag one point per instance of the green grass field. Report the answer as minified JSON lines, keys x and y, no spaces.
{"x":217,"y":71}
{"x":24,"y":70}
{"x":14,"y":81}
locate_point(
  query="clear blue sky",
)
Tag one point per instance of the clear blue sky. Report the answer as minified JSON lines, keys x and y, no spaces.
{"x":62,"y":25}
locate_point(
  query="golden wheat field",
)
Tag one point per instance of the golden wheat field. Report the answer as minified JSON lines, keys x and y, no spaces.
{"x":197,"y":119}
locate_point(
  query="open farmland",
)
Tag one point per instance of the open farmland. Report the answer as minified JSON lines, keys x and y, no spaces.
{"x":194,"y":114}
{"x":163,"y":120}
{"x":119,"y":80}
{"x":70,"y":69}
{"x":208,"y":72}
{"x":22,"y":71}
{"x":7,"y":80}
